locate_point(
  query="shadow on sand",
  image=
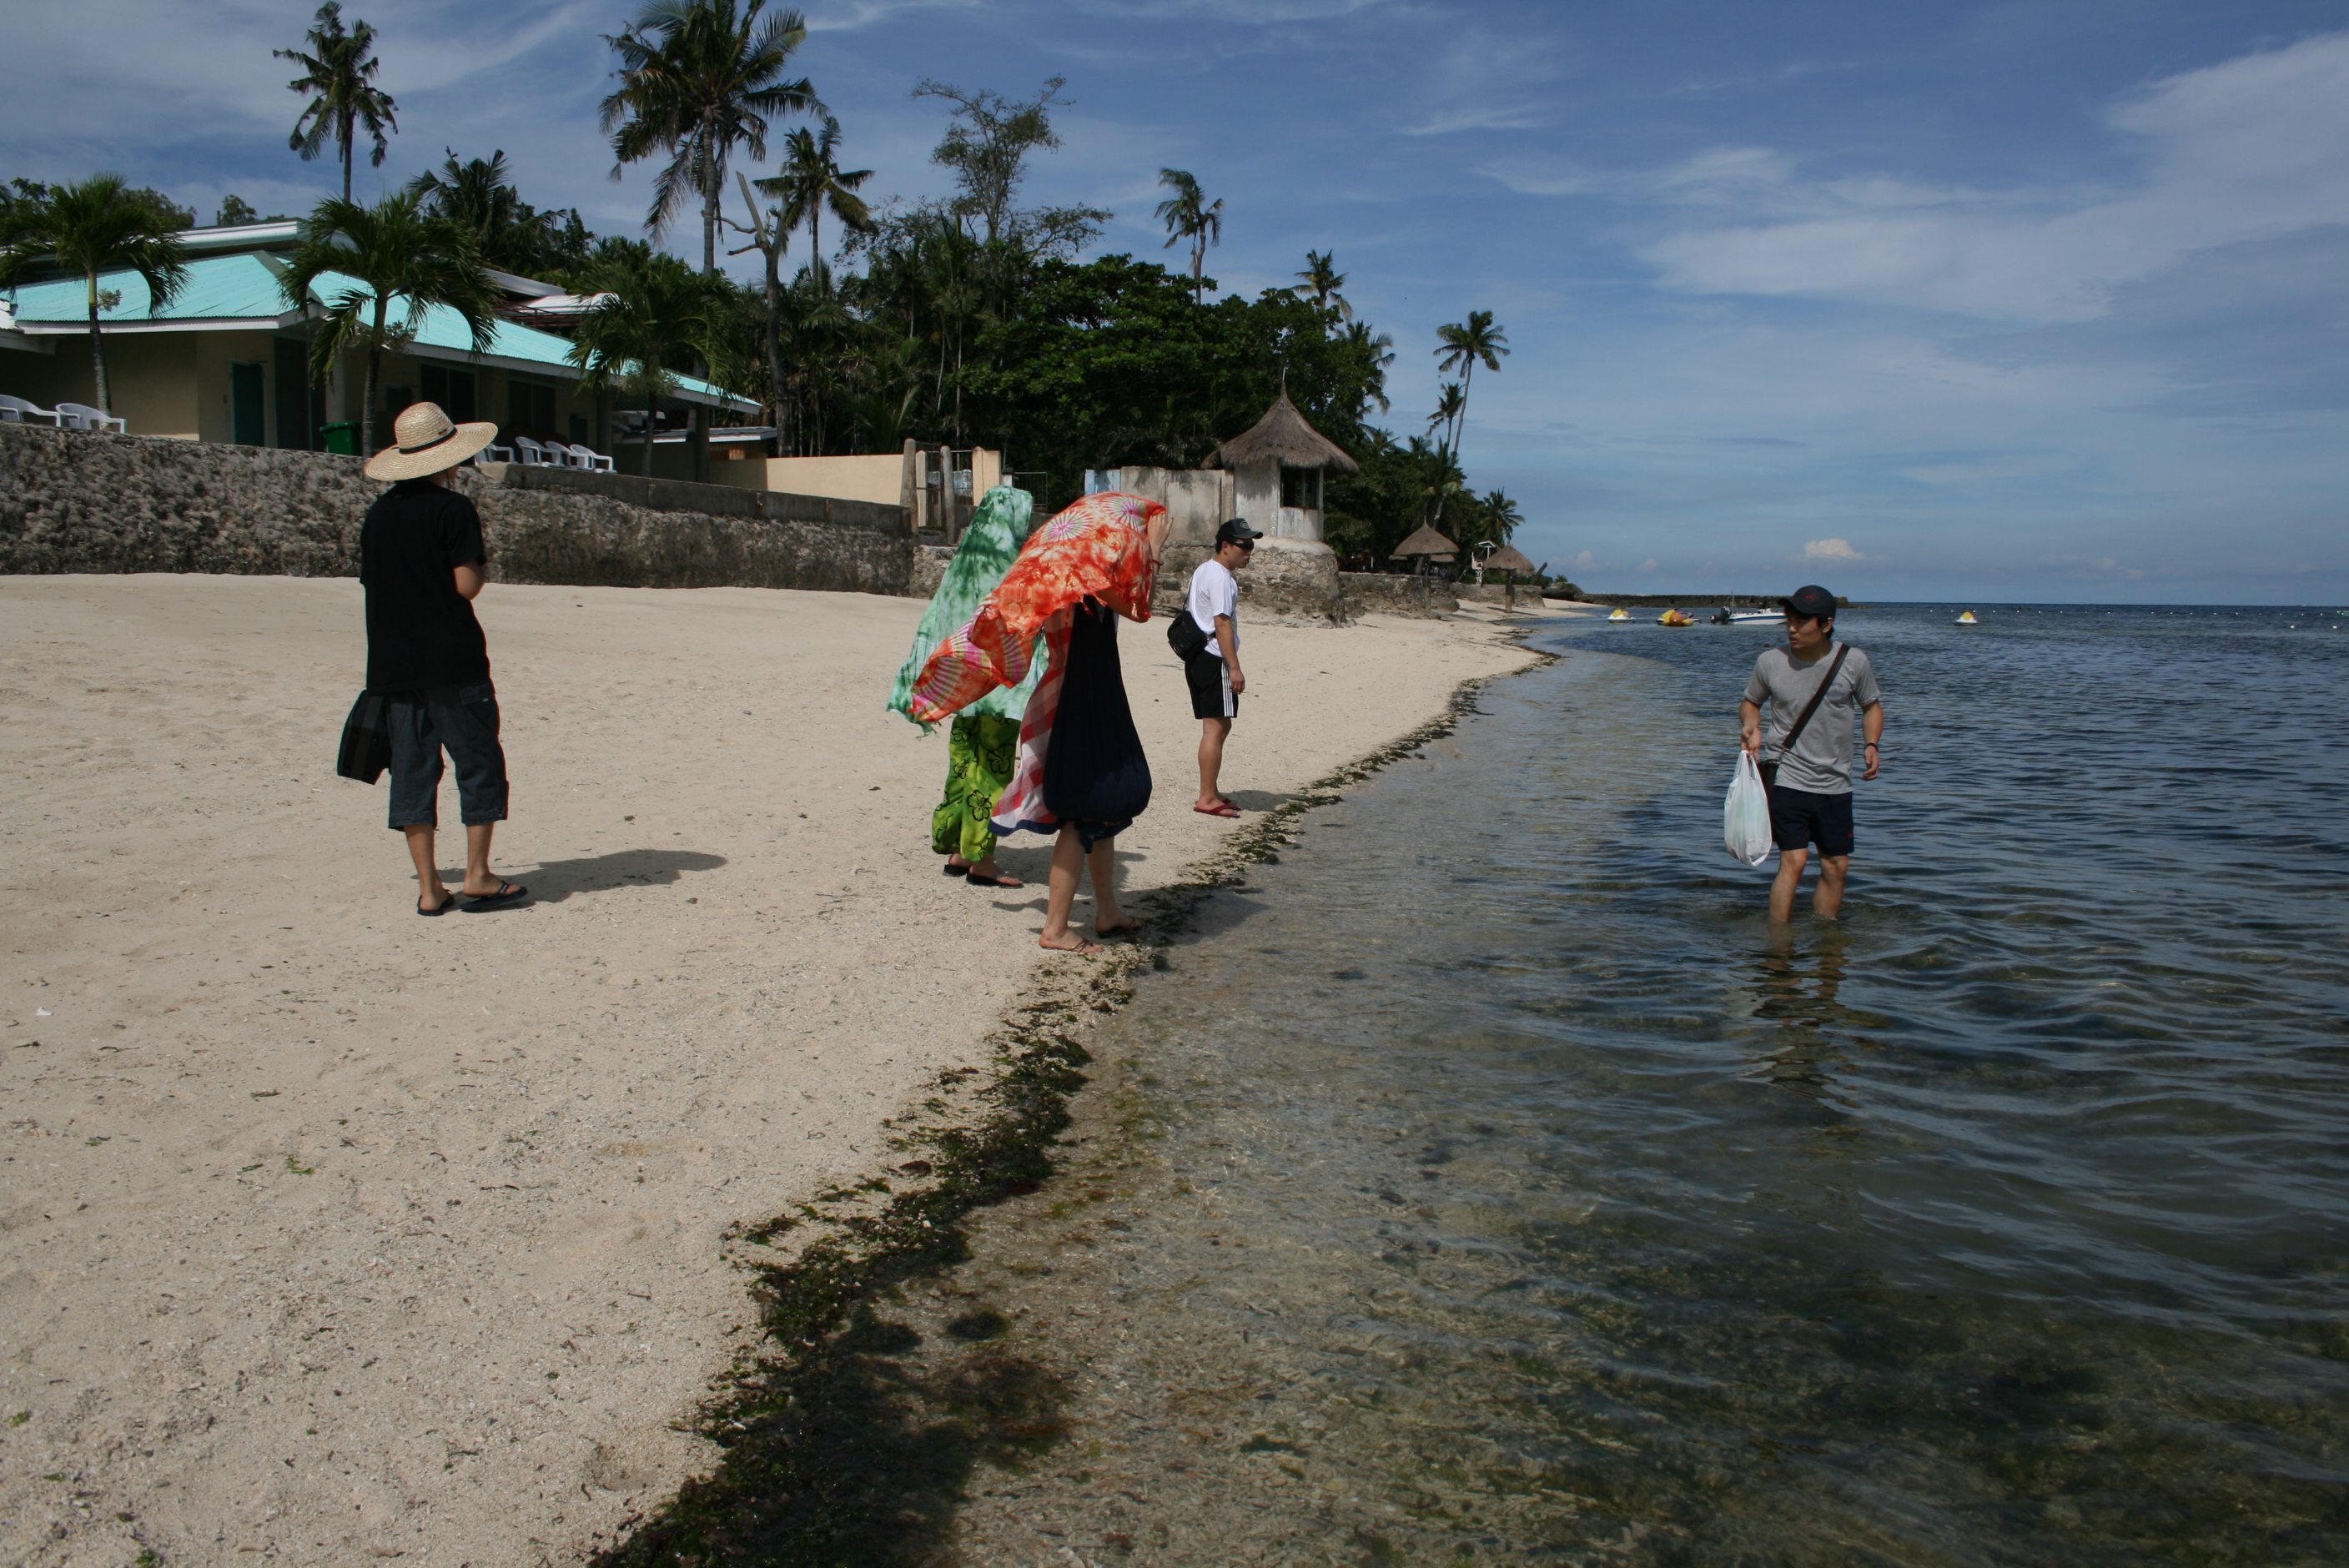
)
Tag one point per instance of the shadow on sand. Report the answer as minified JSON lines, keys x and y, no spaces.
{"x":552,"y":882}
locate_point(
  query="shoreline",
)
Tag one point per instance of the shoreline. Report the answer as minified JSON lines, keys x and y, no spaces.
{"x":983,"y":1143}
{"x":439,"y":1212}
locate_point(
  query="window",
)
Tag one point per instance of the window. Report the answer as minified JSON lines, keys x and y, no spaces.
{"x":453,"y":389}
{"x":579,"y":429}
{"x":1300,"y":488}
{"x":530,"y":406}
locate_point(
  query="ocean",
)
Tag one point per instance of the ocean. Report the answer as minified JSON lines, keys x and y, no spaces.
{"x":1486,"y":1179}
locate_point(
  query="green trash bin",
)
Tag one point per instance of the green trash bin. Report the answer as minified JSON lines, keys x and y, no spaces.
{"x":342,"y":436}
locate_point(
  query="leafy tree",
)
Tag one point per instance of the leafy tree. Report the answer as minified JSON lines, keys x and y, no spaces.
{"x":99,"y":225}
{"x":1188,"y":216}
{"x":657,"y":318}
{"x":812,"y":179}
{"x":697,"y":80}
{"x":508,"y":233}
{"x":1377,"y":350}
{"x":987,"y":144}
{"x":339,"y":72}
{"x":234,"y":210}
{"x":1322,"y":280}
{"x":1464,"y":347}
{"x":1450,"y":404}
{"x":393,"y":253}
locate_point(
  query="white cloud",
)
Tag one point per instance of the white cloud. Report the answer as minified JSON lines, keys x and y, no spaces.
{"x":1831,"y":549}
{"x":1648,"y":564}
{"x":2250,"y":149}
{"x":1487,"y":81}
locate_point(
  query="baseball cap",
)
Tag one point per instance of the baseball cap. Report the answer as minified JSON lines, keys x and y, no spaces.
{"x":1813,"y":602}
{"x":1235,"y":531}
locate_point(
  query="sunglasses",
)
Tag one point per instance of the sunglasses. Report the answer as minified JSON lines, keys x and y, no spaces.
{"x":1247,"y":544}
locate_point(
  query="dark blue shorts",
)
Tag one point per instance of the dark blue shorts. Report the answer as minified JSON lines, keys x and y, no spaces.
{"x":1800,"y":820}
{"x":464,"y":720}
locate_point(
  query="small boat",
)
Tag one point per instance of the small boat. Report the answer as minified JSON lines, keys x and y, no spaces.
{"x":1620,"y":615}
{"x":1748,"y":617}
{"x":1675,"y":618}
{"x":1968,"y":620}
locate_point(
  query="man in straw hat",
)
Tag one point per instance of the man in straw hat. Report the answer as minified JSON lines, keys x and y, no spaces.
{"x":420,"y":560}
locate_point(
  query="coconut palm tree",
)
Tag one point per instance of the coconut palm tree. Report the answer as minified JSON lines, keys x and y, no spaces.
{"x":698,"y":78}
{"x":97,"y":226}
{"x":812,"y":179}
{"x":1450,"y":404}
{"x":372,"y":260}
{"x":338,"y":71}
{"x":1465,"y":348}
{"x":1322,"y":280}
{"x":657,"y":310}
{"x":479,"y":195}
{"x":1377,"y":351}
{"x":1188,"y":216}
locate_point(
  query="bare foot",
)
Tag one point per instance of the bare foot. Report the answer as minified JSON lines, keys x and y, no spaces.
{"x":1074,"y":944}
{"x":986,"y":874}
{"x":1105,"y":928}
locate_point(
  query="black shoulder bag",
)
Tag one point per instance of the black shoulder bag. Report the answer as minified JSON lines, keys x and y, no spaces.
{"x":367,"y":741}
{"x":1769,"y":770}
{"x":1183,"y":636}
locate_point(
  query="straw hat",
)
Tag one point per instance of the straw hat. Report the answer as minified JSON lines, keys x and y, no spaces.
{"x":426,"y":442}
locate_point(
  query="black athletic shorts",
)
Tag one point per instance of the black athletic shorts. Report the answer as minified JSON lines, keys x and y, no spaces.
{"x":463,"y":720}
{"x":1799,"y":820}
{"x":1211,"y":689}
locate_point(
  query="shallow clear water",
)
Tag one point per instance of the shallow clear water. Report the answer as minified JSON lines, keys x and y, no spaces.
{"x":1489,"y":1181}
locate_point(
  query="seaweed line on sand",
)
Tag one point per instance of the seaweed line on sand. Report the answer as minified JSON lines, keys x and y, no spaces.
{"x":822,"y":1462}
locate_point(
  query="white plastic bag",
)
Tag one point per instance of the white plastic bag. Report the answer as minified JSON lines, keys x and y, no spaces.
{"x":1746,"y":815}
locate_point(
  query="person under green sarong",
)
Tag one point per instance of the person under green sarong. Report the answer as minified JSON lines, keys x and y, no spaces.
{"x":980,"y":750}
{"x":983,"y":744}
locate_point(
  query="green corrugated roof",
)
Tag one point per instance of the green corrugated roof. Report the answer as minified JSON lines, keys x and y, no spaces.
{"x":244,"y":288}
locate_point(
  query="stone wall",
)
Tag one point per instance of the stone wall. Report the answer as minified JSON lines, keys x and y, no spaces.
{"x":78,"y":501}
{"x":1383,"y":593}
{"x":1277,"y":587}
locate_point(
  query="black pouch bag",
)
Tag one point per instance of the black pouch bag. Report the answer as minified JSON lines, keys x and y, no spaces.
{"x":367,"y":741}
{"x":1183,"y":636}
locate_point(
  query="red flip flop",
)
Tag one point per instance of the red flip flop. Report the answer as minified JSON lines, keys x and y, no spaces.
{"x":1220,"y":808}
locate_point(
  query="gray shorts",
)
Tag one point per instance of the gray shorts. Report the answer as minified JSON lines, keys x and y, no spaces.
{"x":464,"y":721}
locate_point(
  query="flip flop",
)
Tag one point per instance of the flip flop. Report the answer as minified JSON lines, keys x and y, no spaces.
{"x":953,"y":870}
{"x":1220,"y":808}
{"x":446,"y":905}
{"x":975,"y":880}
{"x":507,"y":893}
{"x":1086,"y":949}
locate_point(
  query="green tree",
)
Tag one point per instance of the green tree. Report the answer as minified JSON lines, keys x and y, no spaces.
{"x":1188,"y":216}
{"x":987,"y":144}
{"x":374,"y":261}
{"x":658,"y":315}
{"x":508,"y":233}
{"x":1450,"y":404}
{"x":97,"y":226}
{"x":234,"y":210}
{"x":1464,"y":347}
{"x":339,"y":72}
{"x":697,"y":80}
{"x":1322,"y":280}
{"x":812,"y":179}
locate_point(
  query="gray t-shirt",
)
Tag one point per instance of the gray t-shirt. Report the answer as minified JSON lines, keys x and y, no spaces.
{"x":1821,"y":760}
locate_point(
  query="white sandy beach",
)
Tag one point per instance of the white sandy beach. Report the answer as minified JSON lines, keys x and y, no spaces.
{"x":333,"y":1234}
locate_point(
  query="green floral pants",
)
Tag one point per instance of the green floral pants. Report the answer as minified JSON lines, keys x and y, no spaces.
{"x":979,"y":755}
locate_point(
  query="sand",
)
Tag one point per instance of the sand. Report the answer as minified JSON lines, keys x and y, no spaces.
{"x":333,"y":1234}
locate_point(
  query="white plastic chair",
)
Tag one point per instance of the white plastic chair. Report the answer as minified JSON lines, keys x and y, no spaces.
{"x":85,"y":417}
{"x":493,"y":453}
{"x":533,"y":455}
{"x":590,"y":460}
{"x":17,"y":411}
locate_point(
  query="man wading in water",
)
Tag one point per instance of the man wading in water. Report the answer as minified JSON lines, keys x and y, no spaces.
{"x":1813,"y":688}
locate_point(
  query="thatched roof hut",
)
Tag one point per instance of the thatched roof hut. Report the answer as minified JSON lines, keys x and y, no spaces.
{"x":1283,"y":436}
{"x":1426,"y":542}
{"x":1508,"y":558}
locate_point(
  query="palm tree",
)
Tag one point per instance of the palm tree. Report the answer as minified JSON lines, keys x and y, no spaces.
{"x":96,"y":227}
{"x":1377,"y":350}
{"x":656,"y":312}
{"x":339,"y":72}
{"x":392,"y":253}
{"x":1188,"y":216}
{"x":1449,"y":405}
{"x":479,"y":196}
{"x":698,"y":78}
{"x":1322,"y":280}
{"x":1500,"y":516}
{"x":812,"y":179}
{"x":1464,"y":349}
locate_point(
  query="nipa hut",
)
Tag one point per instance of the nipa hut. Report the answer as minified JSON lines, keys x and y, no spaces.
{"x":1277,"y":467}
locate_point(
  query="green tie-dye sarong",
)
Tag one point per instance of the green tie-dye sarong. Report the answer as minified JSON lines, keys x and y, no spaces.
{"x":979,"y":754}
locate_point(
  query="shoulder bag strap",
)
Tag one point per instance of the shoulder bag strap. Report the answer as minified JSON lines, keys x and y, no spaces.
{"x":1817,"y":698}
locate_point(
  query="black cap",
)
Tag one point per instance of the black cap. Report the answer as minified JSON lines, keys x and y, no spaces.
{"x":1235,"y":531}
{"x":1814,"y":602}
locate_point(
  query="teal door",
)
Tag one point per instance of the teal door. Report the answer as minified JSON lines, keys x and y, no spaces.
{"x":248,"y":421}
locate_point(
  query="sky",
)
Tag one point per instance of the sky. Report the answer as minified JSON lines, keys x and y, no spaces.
{"x":2037,"y":302}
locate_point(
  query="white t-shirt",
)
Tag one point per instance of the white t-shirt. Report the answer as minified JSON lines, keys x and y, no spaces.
{"x":1216,"y":592}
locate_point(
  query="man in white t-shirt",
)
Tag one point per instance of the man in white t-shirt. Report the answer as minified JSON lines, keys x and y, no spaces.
{"x":1214,"y":671}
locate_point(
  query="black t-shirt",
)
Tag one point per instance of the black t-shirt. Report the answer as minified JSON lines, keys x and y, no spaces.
{"x":420,"y":631}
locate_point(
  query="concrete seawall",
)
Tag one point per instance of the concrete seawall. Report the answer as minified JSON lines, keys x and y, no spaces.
{"x":79,"y":502}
